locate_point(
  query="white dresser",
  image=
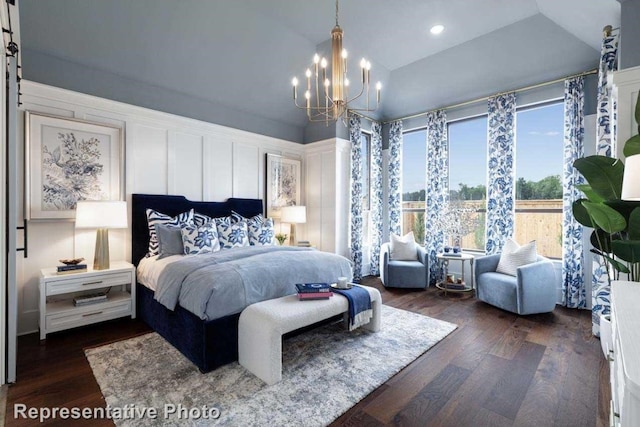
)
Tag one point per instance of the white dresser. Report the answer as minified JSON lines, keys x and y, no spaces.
{"x":625,"y":357}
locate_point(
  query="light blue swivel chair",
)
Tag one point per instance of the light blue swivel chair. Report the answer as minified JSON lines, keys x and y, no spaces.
{"x":404,"y":274}
{"x":532,"y":291}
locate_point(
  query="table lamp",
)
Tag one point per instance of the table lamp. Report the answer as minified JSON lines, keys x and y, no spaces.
{"x":102,"y":215}
{"x":631,"y":179}
{"x":293,"y":215}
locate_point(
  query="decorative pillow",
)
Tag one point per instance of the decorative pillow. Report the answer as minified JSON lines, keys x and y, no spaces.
{"x":155,"y":217}
{"x":200,"y":240}
{"x":232,"y":235}
{"x":169,"y":240}
{"x":261,"y":234}
{"x":404,"y":248}
{"x":201,"y":219}
{"x":236,"y":217}
{"x":513,"y":256}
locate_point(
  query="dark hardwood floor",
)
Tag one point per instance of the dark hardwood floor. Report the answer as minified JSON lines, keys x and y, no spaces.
{"x":496,"y":369}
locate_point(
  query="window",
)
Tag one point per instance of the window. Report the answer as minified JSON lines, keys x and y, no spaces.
{"x":468,"y":177}
{"x":539,"y":154}
{"x":414,"y":179}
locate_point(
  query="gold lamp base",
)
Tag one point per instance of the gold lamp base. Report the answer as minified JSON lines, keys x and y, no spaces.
{"x":101,"y":258}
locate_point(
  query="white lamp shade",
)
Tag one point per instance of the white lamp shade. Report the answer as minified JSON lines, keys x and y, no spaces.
{"x":294,"y":214}
{"x":101,"y":214}
{"x":631,"y":180}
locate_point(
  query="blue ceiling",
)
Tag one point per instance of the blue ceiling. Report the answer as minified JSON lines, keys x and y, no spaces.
{"x":231,"y":62}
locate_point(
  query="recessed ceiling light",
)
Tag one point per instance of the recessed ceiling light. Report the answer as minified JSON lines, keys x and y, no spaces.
{"x":437,"y":29}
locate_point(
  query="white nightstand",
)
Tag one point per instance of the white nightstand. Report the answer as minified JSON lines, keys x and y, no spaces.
{"x":57,"y":311}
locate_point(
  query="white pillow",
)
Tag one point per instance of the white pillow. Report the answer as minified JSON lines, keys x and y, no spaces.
{"x":404,"y":248}
{"x":513,"y":256}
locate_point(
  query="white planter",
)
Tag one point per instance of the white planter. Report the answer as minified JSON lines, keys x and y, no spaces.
{"x":606,"y":334}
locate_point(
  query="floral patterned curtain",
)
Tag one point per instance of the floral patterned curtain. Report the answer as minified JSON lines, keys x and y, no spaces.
{"x":395,"y":177}
{"x":437,"y":187}
{"x":501,"y":173}
{"x":606,"y":105}
{"x":573,"y":289}
{"x":605,"y":146}
{"x":355,"y":226}
{"x":376,"y":197}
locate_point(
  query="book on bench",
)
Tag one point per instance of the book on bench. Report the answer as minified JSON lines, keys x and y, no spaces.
{"x":304,"y":288}
{"x":315,"y":295}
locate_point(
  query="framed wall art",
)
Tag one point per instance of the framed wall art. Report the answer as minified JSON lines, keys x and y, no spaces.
{"x":283,"y":183}
{"x":68,"y":160}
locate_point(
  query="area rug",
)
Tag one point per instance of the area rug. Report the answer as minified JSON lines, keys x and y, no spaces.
{"x":325,"y":372}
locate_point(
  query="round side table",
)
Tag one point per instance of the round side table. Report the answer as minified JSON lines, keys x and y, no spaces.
{"x":443,"y":262}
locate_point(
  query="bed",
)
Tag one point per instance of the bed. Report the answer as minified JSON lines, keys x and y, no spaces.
{"x":208,"y":342}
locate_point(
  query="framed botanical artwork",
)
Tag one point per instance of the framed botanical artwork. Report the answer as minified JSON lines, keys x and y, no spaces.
{"x":68,"y":160}
{"x":283,"y":183}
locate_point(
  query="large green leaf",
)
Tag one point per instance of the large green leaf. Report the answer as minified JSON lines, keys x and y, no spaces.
{"x":591,"y":195}
{"x":628,"y":250}
{"x":605,"y":217}
{"x":617,"y":265}
{"x":633,"y":227}
{"x":601,"y":240}
{"x":632,"y":146}
{"x":604,"y":175}
{"x":580,"y":213}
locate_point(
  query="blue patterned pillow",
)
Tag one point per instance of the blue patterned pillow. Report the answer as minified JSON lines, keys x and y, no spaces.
{"x":200,"y":240}
{"x":201,"y":219}
{"x":154,"y":218}
{"x":232,"y":235}
{"x":263,"y":233}
{"x":236,"y":217}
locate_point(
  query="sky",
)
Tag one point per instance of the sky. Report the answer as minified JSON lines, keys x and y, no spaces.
{"x":539,"y":149}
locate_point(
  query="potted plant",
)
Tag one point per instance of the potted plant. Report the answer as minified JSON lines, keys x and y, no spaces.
{"x":281,"y":238}
{"x":615,"y":222}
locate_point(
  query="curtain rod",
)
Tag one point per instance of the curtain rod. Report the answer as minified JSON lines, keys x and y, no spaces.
{"x":485,"y":98}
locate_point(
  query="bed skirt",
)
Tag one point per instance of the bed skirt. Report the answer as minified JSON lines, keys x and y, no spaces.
{"x":209,"y":344}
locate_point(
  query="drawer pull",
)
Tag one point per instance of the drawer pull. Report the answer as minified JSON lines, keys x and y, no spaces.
{"x":92,"y":283}
{"x":92,"y":314}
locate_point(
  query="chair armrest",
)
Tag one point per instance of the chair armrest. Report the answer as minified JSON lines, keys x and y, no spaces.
{"x":537,"y":287}
{"x":423,"y":256}
{"x":486,"y":264}
{"x":385,"y":255}
{"x":538,"y":273}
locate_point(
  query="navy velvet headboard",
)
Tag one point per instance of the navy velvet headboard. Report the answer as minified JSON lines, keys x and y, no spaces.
{"x":173,"y":205}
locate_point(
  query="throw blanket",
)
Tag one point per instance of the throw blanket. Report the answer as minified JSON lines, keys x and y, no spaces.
{"x":225,"y":282}
{"x":360,"y":311}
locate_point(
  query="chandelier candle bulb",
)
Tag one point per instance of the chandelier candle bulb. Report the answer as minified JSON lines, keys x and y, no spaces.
{"x":333,"y":86}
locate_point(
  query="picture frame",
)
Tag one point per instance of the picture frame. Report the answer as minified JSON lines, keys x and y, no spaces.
{"x":67,"y":160}
{"x":282,"y":183}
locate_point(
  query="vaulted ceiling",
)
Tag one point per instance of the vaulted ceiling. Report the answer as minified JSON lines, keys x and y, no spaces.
{"x":239,"y":55}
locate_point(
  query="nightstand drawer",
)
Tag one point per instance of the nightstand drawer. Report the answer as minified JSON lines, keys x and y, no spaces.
{"x":80,"y":316}
{"x":68,"y":283}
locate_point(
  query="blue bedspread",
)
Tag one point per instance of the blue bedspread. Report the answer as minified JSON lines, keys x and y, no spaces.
{"x":225,"y":282}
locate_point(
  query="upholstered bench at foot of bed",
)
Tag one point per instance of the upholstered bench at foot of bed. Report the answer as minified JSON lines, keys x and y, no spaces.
{"x":262,"y":325}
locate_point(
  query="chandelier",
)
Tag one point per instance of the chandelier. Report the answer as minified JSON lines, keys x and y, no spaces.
{"x":328,"y":99}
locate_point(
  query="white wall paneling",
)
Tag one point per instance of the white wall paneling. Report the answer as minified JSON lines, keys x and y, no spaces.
{"x":246,"y":171}
{"x":164,"y":154}
{"x":327,"y":194}
{"x":185,"y":165}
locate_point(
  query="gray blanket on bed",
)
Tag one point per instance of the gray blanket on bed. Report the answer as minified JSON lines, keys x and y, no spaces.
{"x":225,"y":282}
